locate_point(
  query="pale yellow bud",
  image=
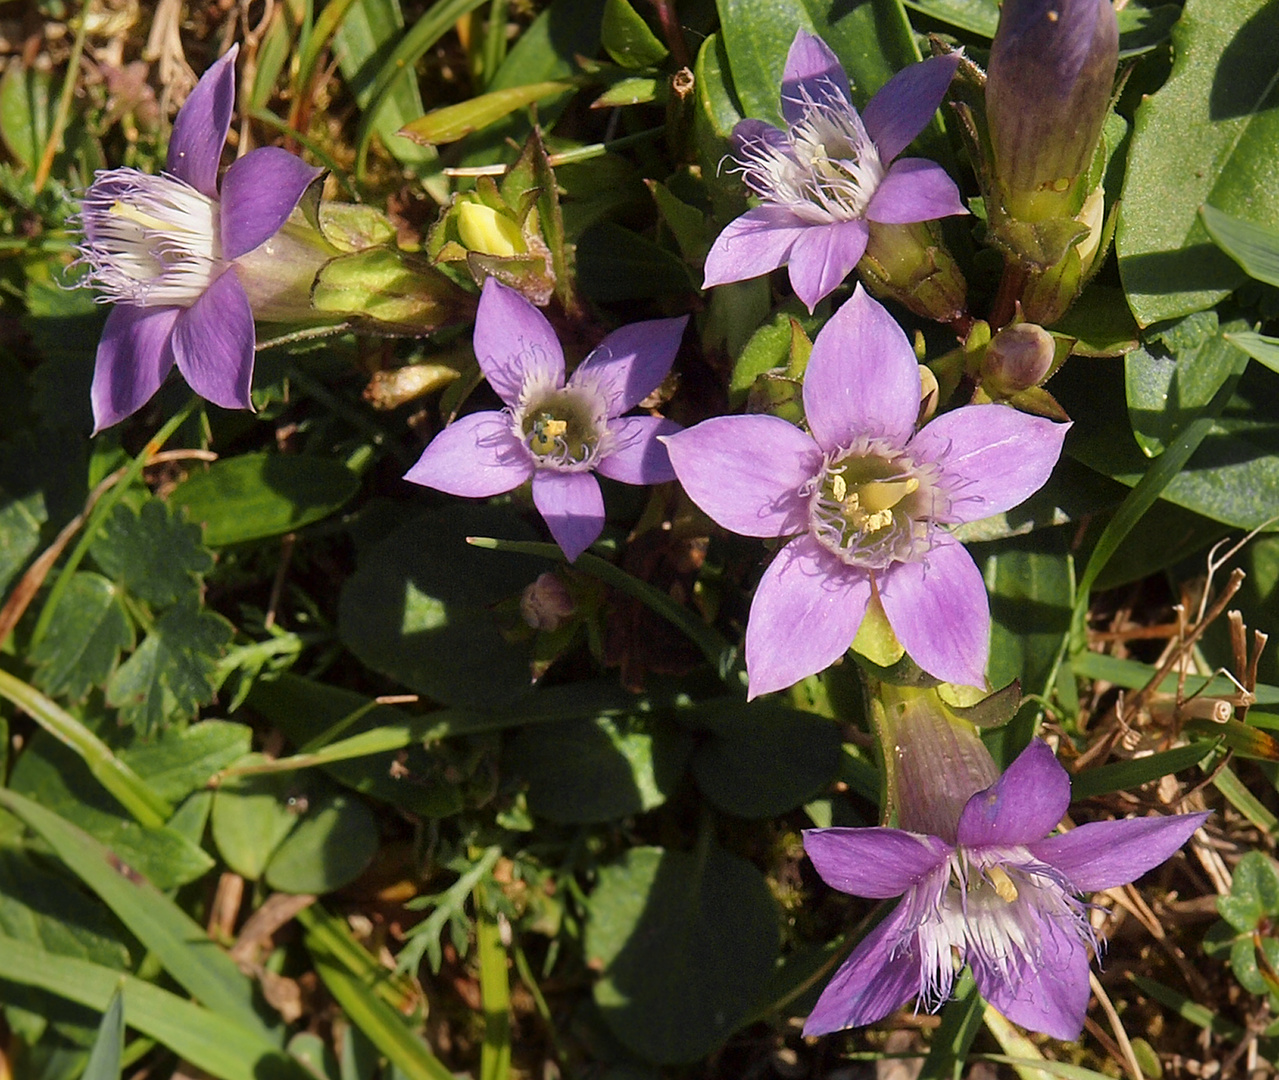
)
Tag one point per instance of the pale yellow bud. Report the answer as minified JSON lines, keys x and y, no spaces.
{"x":484,"y":230}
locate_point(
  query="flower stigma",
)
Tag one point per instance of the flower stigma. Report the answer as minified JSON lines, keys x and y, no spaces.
{"x":563,"y":430}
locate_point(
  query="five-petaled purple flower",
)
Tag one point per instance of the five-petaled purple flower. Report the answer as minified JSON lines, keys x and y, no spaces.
{"x":832,"y":172}
{"x":556,"y":433}
{"x":164,"y":250}
{"x":998,"y":892}
{"x":864,"y":496}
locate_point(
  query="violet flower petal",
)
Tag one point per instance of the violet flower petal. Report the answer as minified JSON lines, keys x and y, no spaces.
{"x":1046,"y":993}
{"x":1103,"y":854}
{"x":638,"y":457}
{"x":630,"y":363}
{"x":572,"y":506}
{"x":939,"y":610}
{"x":993,"y":457}
{"x":514,"y":343}
{"x":475,"y":456}
{"x":880,"y":976}
{"x":213,"y":344}
{"x":259,"y":192}
{"x":823,"y":256}
{"x":753,"y":244}
{"x":877,"y":863}
{"x":813,"y":73}
{"x":133,"y":358}
{"x":1023,"y":805}
{"x":201,"y":126}
{"x":905,"y":104}
{"x":748,"y":131}
{"x":745,"y":472}
{"x":805,"y":614}
{"x":914,"y":190}
{"x":862,"y":377}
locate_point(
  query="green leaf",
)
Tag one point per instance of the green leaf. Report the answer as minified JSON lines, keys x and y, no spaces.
{"x":1100,"y":322}
{"x":179,"y":761}
{"x":252,"y":814}
{"x":172,"y":672}
{"x":599,"y":769}
{"x":1206,"y":137}
{"x":686,"y":943}
{"x":419,"y":608}
{"x":1128,"y":775}
{"x":1253,"y":246}
{"x":1031,"y":584}
{"x":1166,"y":392}
{"x":1265,"y":350}
{"x":25,"y":112}
{"x":20,"y":521}
{"x":86,"y":635}
{"x":453,"y":122}
{"x":206,"y":1038}
{"x":979,"y":17}
{"x":153,"y":553}
{"x":762,"y":759}
{"x":52,"y":773}
{"x":253,"y":496}
{"x":616,"y":264}
{"x":1254,"y":893}
{"x":332,"y":844}
{"x":104,"y":1058}
{"x":180,"y":943}
{"x":627,"y":39}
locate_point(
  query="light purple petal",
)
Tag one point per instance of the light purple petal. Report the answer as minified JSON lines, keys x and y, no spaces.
{"x":213,"y":344}
{"x":475,"y":456}
{"x":862,"y":377}
{"x":914,"y":190}
{"x":993,"y":457}
{"x":630,"y":363}
{"x":823,"y":256}
{"x":805,"y":614}
{"x":875,"y":863}
{"x":812,"y":73}
{"x":572,"y":506}
{"x":749,"y":131}
{"x":1047,"y":992}
{"x":259,"y":193}
{"x":755,"y":243}
{"x":638,"y":457}
{"x":745,"y":472}
{"x":878,"y":978}
{"x":514,"y":343}
{"x":1103,"y":854}
{"x":939,"y":611}
{"x":904,"y":105}
{"x":1023,"y":805}
{"x":199,"y":131}
{"x":134,"y":356}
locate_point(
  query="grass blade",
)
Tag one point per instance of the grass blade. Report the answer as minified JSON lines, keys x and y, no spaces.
{"x":108,"y":1045}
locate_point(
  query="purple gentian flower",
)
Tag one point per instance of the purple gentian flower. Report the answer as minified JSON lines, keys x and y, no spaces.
{"x":553,"y":432}
{"x":164,"y":250}
{"x":832,"y":172}
{"x":865,"y":496}
{"x":997,"y":892}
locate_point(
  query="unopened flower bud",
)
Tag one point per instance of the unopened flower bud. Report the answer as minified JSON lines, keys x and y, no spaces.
{"x":546,"y":604}
{"x":483,"y":229}
{"x":911,"y":264}
{"x":1048,"y":86}
{"x":1020,"y":356}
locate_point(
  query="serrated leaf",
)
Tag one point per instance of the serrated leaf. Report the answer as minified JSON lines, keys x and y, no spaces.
{"x":172,"y":672}
{"x":1207,"y":136}
{"x":85,"y":637}
{"x":157,"y":556}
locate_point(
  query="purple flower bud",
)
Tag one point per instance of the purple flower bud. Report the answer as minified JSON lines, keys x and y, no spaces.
{"x":1019,"y":357}
{"x":1048,"y":86}
{"x":546,"y":604}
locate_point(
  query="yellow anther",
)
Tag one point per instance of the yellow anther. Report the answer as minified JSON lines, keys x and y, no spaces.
{"x":838,"y":487}
{"x":1004,"y":887}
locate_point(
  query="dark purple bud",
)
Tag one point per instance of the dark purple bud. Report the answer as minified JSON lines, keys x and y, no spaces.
{"x":1048,"y":87}
{"x":1019,"y":357}
{"x":546,"y":604}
